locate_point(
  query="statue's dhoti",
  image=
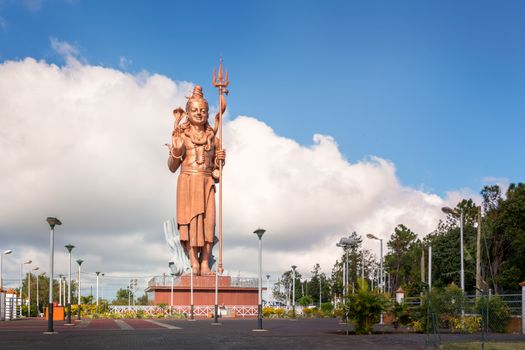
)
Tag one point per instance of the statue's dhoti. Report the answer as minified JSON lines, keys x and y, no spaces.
{"x":196,"y":207}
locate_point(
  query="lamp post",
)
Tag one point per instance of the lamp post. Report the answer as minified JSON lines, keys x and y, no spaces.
{"x":52,"y":223}
{"x":69,"y":248}
{"x":171,"y":293}
{"x":60,"y":276}
{"x":6,"y":252}
{"x":79,"y":262}
{"x":29,"y":292}
{"x":191,"y":295}
{"x":216,"y":308}
{"x":293,"y":291}
{"x":381,"y":276}
{"x":102,"y":286}
{"x":21,"y":278}
{"x":459,"y":215}
{"x":98,"y":273}
{"x":38,"y":294}
{"x":345,"y":243}
{"x":267,"y":289}
{"x":64,"y":290}
{"x":260,"y":232}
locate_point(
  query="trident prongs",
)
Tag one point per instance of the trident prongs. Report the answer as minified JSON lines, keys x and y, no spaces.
{"x":219,"y":80}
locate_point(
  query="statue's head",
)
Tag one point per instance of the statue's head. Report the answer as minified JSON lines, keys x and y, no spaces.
{"x":197,"y":107}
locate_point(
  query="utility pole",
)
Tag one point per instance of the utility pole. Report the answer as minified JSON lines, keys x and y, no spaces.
{"x":478,"y":255}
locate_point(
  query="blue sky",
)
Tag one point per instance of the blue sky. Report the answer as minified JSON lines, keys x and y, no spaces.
{"x":435,"y":86}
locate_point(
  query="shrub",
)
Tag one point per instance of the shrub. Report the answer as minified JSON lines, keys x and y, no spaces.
{"x":305,"y":300}
{"x":469,"y":324}
{"x":307,"y":312}
{"x":499,"y":313}
{"x":402,"y":315}
{"x":279,"y":312}
{"x":267,"y":311}
{"x":364,"y":308}
{"x":327,"y":308}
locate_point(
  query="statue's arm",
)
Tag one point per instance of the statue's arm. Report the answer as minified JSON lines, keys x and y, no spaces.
{"x":176,"y":151}
{"x":220,"y":154}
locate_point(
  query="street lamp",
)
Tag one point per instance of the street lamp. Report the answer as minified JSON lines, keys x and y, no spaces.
{"x":345,"y":243}
{"x":102,"y":286}
{"x":381,"y":276}
{"x":21,"y":278}
{"x":293,"y":291}
{"x":459,"y":215}
{"x":79,"y":262}
{"x":98,"y":273}
{"x":260,"y":232}
{"x":60,"y":277}
{"x":267,"y":289}
{"x":6,"y":252}
{"x":171,"y":293}
{"x":69,"y":248}
{"x":38,"y":293}
{"x":52,"y":223}
{"x":29,"y":292}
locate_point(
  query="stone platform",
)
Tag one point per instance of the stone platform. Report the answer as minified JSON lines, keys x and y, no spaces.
{"x":231,"y":291}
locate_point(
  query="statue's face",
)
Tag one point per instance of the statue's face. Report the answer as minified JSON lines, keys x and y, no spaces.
{"x":198,"y":112}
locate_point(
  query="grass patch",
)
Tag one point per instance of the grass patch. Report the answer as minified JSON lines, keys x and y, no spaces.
{"x":488,"y":346}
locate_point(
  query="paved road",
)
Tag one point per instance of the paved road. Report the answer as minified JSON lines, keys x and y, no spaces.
{"x":200,"y":334}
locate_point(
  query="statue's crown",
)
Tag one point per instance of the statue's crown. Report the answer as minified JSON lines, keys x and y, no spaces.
{"x":197,"y":93}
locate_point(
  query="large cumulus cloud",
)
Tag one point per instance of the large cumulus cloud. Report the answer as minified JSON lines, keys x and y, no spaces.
{"x":85,"y":143}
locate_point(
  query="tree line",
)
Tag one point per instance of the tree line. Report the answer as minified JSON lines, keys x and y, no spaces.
{"x":501,"y":222}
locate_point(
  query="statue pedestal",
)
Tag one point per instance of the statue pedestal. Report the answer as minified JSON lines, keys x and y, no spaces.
{"x":233,"y":292}
{"x":204,"y":281}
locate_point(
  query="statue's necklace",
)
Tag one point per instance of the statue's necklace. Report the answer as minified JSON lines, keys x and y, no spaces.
{"x":199,"y":140}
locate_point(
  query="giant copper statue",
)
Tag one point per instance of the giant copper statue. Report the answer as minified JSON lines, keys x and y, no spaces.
{"x":196,"y":150}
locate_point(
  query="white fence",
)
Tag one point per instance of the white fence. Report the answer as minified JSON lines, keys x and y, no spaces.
{"x":9,"y":306}
{"x":198,"y":310}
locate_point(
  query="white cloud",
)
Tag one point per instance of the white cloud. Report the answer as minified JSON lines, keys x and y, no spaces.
{"x":65,"y":49}
{"x":124,"y":62}
{"x":85,"y":143}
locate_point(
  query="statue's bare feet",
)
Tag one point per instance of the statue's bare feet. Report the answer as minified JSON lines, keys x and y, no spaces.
{"x":205,"y":270}
{"x":196,"y":270}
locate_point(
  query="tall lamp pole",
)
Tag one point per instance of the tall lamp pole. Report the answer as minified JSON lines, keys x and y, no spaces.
{"x":79,"y":262}
{"x":29,"y":291}
{"x":260,"y":232}
{"x":52,"y":223}
{"x":171,"y":293}
{"x":69,"y":248}
{"x":6,"y":252}
{"x":191,"y":295}
{"x":60,"y":276}
{"x":459,"y":215}
{"x":38,"y":293}
{"x":98,"y":273}
{"x":381,"y":274}
{"x":267,"y":289}
{"x":293,"y":291}
{"x":21,"y":278}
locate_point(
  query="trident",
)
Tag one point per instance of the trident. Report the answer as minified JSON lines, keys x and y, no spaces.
{"x":220,"y":82}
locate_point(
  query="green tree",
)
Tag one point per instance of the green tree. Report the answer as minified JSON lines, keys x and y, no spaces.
{"x":143,"y":300}
{"x":122,"y":297}
{"x":404,"y":249}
